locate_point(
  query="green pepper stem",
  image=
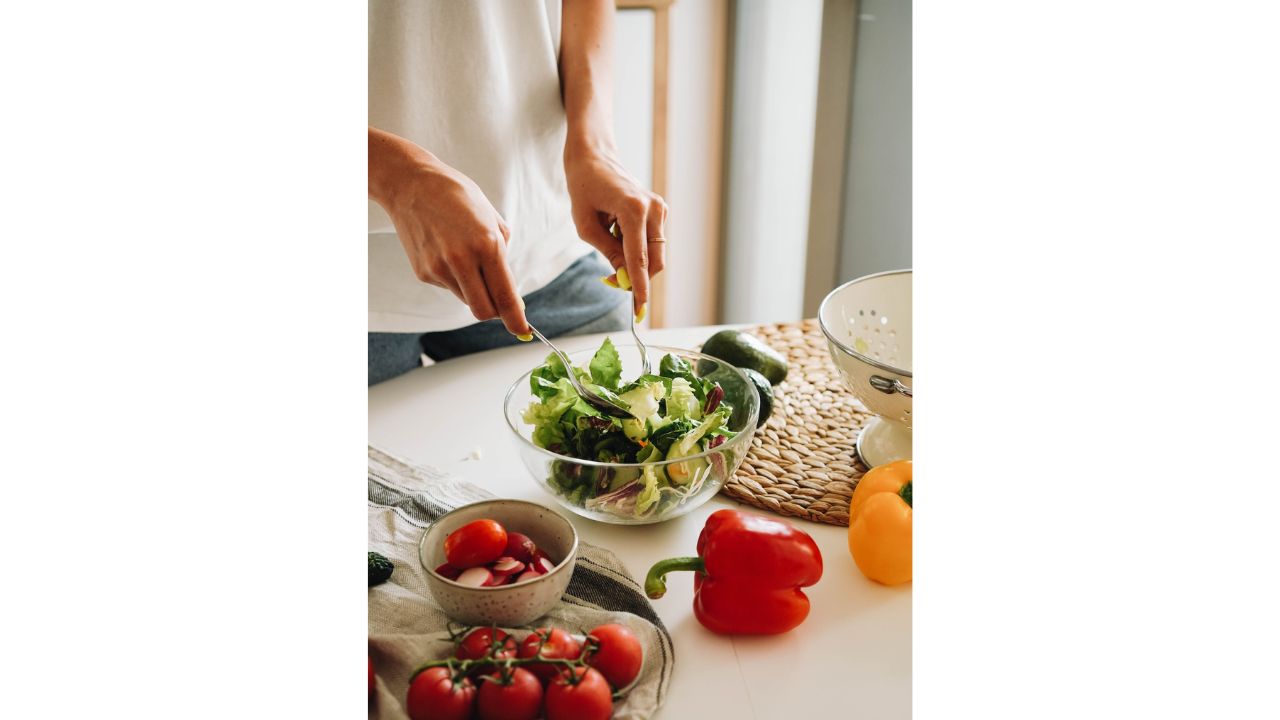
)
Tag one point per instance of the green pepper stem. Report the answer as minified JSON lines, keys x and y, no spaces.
{"x":905,"y":493}
{"x":655,"y":583}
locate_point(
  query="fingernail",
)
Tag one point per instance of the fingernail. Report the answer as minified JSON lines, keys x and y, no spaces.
{"x":610,"y":282}
{"x":624,"y":280}
{"x":644,"y":308}
{"x":527,"y":337}
{"x":521,"y":301}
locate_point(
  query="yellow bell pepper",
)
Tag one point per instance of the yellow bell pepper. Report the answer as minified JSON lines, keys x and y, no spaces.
{"x":880,"y":523}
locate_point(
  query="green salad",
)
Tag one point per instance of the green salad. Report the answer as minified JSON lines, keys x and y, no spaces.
{"x":674,"y":414}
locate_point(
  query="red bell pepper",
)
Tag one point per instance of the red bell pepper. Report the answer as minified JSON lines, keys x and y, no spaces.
{"x":750,"y":569}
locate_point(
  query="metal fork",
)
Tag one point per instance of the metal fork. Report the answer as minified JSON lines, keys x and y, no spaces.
{"x":592,"y":399}
{"x":616,"y":231}
{"x":644,"y":351}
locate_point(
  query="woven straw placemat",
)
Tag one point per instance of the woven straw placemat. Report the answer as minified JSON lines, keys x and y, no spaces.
{"x":802,"y":463}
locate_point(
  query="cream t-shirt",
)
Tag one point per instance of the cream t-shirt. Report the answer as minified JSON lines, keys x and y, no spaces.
{"x":477,"y":83}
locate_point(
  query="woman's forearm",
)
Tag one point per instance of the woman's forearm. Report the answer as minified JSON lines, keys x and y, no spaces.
{"x":586,"y":73}
{"x":391,"y":160}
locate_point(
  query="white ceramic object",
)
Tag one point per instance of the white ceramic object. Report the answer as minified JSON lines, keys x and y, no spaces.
{"x":507,"y":605}
{"x":867,"y":322}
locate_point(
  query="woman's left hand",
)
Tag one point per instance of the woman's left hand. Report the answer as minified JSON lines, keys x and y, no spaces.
{"x":603,"y":193}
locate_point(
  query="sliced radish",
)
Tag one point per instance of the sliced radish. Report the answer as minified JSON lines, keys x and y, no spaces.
{"x":507,"y":565}
{"x":496,"y":580}
{"x":545,"y":564}
{"x":448,"y":571}
{"x":475,"y":577}
{"x":528,"y":575}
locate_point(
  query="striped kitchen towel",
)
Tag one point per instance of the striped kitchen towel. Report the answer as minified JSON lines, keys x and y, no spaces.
{"x":406,"y":627}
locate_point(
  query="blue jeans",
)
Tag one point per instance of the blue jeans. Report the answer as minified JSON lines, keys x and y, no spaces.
{"x":575,"y":303}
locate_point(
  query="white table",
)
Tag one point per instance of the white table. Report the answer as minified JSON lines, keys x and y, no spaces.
{"x":851,"y":658}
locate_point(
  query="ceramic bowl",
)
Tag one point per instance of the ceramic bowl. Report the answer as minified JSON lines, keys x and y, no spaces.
{"x":867,"y":322}
{"x":506,"y":605}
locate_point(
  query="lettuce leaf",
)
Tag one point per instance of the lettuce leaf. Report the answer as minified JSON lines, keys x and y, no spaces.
{"x":648,"y":496}
{"x":606,"y":367}
{"x":545,"y":416}
{"x":688,"y":445}
{"x":643,"y":401}
{"x":682,"y":402}
{"x":674,"y":367}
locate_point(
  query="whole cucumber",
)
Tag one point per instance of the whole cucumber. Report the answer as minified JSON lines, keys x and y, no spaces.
{"x":745,"y":350}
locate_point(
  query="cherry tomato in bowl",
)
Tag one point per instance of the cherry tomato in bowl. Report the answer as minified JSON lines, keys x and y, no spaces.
{"x":474,"y":544}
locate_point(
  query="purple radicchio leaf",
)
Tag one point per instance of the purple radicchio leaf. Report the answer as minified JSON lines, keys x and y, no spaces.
{"x":622,"y":500}
{"x":713,"y":399}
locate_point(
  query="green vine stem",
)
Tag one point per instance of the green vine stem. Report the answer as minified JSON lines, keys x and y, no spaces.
{"x":460,"y":668}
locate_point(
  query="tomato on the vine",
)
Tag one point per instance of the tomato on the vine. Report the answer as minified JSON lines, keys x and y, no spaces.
{"x":433,"y":695}
{"x":474,"y":544}
{"x":481,"y":641}
{"x":579,"y":695}
{"x":485,"y":642}
{"x":518,"y":697}
{"x":549,"y":643}
{"x":618,"y":655}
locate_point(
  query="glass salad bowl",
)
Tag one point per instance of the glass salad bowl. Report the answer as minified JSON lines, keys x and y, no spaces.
{"x":641,"y":492}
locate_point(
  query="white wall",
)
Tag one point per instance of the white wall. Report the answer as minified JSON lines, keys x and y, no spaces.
{"x":633,"y":92}
{"x":876,"y":232}
{"x":775,"y":81}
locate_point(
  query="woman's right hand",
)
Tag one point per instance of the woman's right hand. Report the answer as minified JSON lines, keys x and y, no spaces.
{"x":451,"y":233}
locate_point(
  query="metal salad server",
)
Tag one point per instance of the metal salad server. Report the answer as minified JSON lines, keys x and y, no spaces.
{"x":592,"y":399}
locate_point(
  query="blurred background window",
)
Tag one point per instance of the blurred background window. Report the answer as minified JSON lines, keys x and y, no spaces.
{"x":780,"y":133}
